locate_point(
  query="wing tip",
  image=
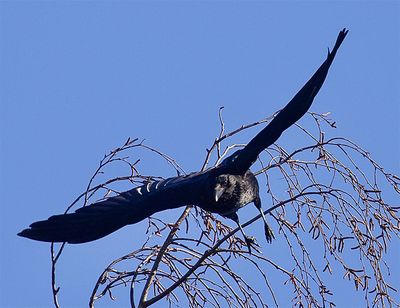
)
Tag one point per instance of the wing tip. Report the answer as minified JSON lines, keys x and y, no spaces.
{"x":27,"y":233}
{"x":341,"y":36}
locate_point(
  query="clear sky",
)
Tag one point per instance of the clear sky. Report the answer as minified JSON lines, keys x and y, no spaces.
{"x":78,"y":78}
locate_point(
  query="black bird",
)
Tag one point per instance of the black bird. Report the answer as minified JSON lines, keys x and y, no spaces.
{"x":223,"y":189}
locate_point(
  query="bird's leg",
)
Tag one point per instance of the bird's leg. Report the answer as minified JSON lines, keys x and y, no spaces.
{"x":269,"y":234}
{"x":250,"y":240}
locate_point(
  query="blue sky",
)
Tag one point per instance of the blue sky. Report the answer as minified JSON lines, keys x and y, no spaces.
{"x":78,"y":78}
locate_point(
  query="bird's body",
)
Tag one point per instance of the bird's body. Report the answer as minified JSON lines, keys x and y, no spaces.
{"x":228,"y":193}
{"x":223,"y":189}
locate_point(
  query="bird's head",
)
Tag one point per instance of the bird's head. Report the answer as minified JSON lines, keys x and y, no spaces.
{"x":224,"y":183}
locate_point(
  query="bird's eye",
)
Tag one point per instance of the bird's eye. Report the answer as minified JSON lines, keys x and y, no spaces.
{"x":222,"y":180}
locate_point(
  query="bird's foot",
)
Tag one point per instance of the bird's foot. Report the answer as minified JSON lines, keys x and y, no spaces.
{"x":251,"y":242}
{"x":269,"y":234}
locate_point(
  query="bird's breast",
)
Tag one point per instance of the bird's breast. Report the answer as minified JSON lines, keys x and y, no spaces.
{"x":239,"y":191}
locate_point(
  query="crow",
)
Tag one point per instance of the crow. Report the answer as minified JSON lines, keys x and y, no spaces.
{"x":223,"y":189}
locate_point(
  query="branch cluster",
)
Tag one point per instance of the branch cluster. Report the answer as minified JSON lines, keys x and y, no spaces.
{"x":327,"y":200}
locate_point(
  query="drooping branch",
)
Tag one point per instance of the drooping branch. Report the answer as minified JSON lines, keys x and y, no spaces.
{"x":329,"y":192}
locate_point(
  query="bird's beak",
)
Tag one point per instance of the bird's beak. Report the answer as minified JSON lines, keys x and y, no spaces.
{"x":218,"y":191}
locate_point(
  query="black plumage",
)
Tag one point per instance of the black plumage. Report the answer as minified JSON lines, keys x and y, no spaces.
{"x":223,"y":189}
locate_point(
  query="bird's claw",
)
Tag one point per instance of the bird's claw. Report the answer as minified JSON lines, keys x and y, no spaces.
{"x":269,"y":234}
{"x":251,"y":242}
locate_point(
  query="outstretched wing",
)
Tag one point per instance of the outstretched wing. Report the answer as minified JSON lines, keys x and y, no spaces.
{"x":102,"y":218}
{"x":240,"y":161}
{"x":95,"y":221}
